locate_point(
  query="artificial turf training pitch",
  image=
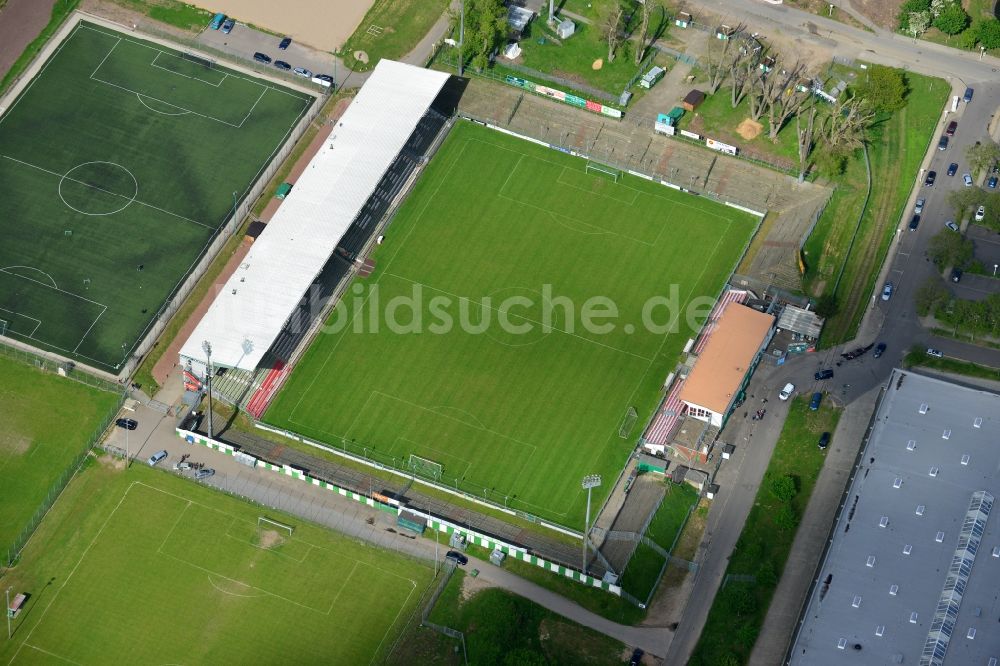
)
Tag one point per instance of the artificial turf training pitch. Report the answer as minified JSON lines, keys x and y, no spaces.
{"x":120,"y":162}
{"x":143,"y":567}
{"x":519,"y":418}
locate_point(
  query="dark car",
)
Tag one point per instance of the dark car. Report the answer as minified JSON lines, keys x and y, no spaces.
{"x":956,"y":274}
{"x":228,"y":26}
{"x":968,"y":95}
{"x":285,"y":43}
{"x":824,"y":441}
{"x":992,"y":183}
{"x":914,"y":222}
{"x":824,"y":374}
{"x":128,"y":424}
{"x":204,"y":473}
{"x":281,"y":64}
{"x":931,"y":177}
{"x":879,"y":350}
{"x":816,"y":399}
{"x":943,"y":143}
{"x":636,"y":657}
{"x":324,"y":77}
{"x":953,"y":168}
{"x":458,"y":557}
{"x":262,"y":57}
{"x":952,"y":126}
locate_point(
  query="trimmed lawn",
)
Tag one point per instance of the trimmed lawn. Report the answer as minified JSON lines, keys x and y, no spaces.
{"x":391,"y":29}
{"x":739,"y":608}
{"x":672,"y":514}
{"x":128,"y":563}
{"x":47,"y":422}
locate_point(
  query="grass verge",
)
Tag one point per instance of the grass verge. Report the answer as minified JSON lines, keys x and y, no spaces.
{"x":391,"y":29}
{"x":739,"y":608}
{"x":917,"y":357}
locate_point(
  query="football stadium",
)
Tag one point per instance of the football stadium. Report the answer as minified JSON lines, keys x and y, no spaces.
{"x":115,"y":189}
{"x":460,"y":350}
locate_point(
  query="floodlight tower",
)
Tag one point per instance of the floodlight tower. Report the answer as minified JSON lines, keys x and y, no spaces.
{"x":207,"y":347}
{"x":590,"y":482}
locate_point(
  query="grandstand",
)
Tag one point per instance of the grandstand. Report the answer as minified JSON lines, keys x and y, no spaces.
{"x":320,"y":232}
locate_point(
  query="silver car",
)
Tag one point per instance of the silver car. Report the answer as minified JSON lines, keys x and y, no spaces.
{"x":919,"y":207}
{"x":157,"y":458}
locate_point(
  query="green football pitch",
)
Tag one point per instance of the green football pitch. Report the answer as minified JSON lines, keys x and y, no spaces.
{"x":47,"y":421}
{"x":519,"y":416}
{"x":143,"y":567}
{"x":119,"y":163}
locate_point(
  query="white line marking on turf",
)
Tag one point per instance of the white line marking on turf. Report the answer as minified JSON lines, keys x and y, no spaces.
{"x":157,"y":99}
{"x":118,"y":40}
{"x":6,"y":269}
{"x":193,"y":78}
{"x":69,"y":293}
{"x":18,"y":314}
{"x":183,"y":111}
{"x":87,"y":332}
{"x":375,"y":654}
{"x":53,"y":654}
{"x":247,"y":117}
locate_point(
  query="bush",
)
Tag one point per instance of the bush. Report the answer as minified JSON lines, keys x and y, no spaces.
{"x":827,"y":306}
{"x":952,"y":20}
{"x":989,"y":33}
{"x":785,"y":518}
{"x":784,"y":488}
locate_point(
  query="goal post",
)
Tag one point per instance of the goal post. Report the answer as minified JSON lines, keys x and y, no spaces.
{"x":628,"y":422}
{"x":425,"y":467}
{"x":266,"y":523}
{"x":599,"y":169}
{"x":207,"y":63}
{"x":3,"y":327}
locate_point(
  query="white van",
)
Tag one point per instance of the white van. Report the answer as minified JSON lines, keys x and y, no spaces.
{"x":786,"y":392}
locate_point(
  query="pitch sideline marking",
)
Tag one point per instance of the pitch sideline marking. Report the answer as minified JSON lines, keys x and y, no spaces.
{"x":53,"y":654}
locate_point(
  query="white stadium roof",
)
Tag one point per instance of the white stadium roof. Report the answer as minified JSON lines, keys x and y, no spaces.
{"x":288,"y":256}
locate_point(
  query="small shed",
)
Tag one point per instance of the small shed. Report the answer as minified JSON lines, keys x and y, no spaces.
{"x":650,"y":78}
{"x":565,"y":29}
{"x":712,"y":490}
{"x":411,"y":521}
{"x":798,"y":320}
{"x":727,"y":451}
{"x":680,"y":471}
{"x":255,"y":229}
{"x":283,"y":190}
{"x":724,"y":32}
{"x":683,"y":20}
{"x":497,"y":556}
{"x":648,"y":463}
{"x":693,"y":100}
{"x":676,"y":114}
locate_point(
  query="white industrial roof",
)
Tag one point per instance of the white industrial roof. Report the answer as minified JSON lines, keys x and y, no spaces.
{"x":265,"y":290}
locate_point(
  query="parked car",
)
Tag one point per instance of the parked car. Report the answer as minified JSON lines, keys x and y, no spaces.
{"x":980,"y":213}
{"x":952,"y":126}
{"x":918,"y":208}
{"x":128,"y":424}
{"x":951,"y":225}
{"x":914,"y":222}
{"x":636,"y":657}
{"x":953,"y":168}
{"x":992,"y":183}
{"x":262,"y":57}
{"x":943,"y":143}
{"x":303,"y":72}
{"x":824,"y":441}
{"x":936,"y":353}
{"x":786,"y":392}
{"x":281,"y":64}
{"x":816,"y":399}
{"x":824,"y":374}
{"x":217,"y":21}
{"x":285,"y":43}
{"x":968,"y":95}
{"x":182,"y":466}
{"x":324,"y":77}
{"x":879,"y":350}
{"x":967,"y":179}
{"x":931,"y":177}
{"x":157,"y":458}
{"x":887,"y":291}
{"x":228,"y":26}
{"x":956,"y":275}
{"x":204,"y":473}
{"x":458,"y":557}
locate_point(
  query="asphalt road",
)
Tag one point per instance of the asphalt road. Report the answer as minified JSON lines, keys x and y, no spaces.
{"x":894,"y":321}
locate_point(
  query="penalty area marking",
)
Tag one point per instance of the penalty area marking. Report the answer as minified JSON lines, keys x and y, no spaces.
{"x":182,"y":112}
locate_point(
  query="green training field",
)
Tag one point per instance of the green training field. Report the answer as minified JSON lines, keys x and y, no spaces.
{"x":143,"y":567}
{"x":119,"y":163}
{"x":519,"y":417}
{"x":47,"y":420}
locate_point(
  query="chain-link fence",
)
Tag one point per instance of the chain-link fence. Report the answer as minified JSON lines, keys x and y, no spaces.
{"x":52,"y":363}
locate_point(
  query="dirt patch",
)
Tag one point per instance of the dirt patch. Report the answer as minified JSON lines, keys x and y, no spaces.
{"x":749,"y":129}
{"x":20,"y":22}
{"x":473,"y":586}
{"x":111,"y":462}
{"x":361,"y":57}
{"x":598,"y":64}
{"x":12,"y":444}
{"x":270,"y":539}
{"x":884,"y":12}
{"x":323,"y":24}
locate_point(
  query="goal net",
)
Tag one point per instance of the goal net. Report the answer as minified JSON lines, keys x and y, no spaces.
{"x":3,"y":327}
{"x":207,"y":63}
{"x":425,"y":467}
{"x":628,"y":422}
{"x":265,"y":525}
{"x":603,"y":170}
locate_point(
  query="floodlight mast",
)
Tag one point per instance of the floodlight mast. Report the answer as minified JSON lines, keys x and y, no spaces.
{"x":590,"y":482}
{"x":207,"y":347}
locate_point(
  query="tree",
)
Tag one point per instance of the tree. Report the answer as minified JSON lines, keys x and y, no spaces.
{"x":931,"y":295}
{"x":962,"y":199}
{"x":948,"y":248}
{"x":827,"y":306}
{"x":845,"y":126}
{"x":720,"y":57}
{"x":830,"y":162}
{"x":744,"y":72}
{"x":908,"y":9}
{"x":640,"y":52}
{"x":969,"y":37}
{"x":918,"y":23}
{"x":989,"y":33}
{"x":982,"y":155}
{"x":805,"y":142}
{"x":952,"y":19}
{"x":884,"y":88}
{"x":782,"y":96}
{"x":485,"y":29}
{"x":783,"y":487}
{"x":611,"y":26}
